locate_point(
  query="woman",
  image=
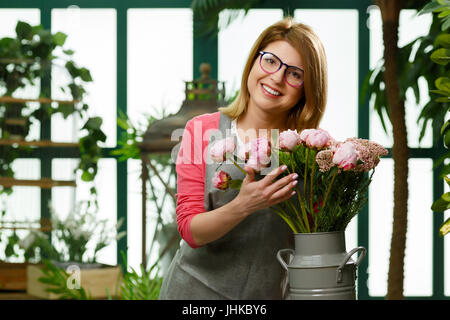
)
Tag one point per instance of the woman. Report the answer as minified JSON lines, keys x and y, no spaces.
{"x":231,"y":238}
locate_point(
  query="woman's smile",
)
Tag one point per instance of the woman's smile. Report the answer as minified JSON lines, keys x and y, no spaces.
{"x":270,"y":91}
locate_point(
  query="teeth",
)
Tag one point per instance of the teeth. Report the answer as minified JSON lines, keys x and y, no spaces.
{"x":275,"y":93}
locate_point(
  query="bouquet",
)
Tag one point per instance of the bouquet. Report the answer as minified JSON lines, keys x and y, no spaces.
{"x":334,"y":176}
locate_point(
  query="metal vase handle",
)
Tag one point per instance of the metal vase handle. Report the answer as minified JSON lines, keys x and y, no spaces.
{"x":346,"y":258}
{"x":280,"y":258}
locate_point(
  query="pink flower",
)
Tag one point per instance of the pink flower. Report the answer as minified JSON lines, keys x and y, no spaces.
{"x":259,"y":155}
{"x":221,"y":180}
{"x":243,"y":152}
{"x":318,"y":139}
{"x":289,"y":139}
{"x":260,"y":150}
{"x":305,"y":133}
{"x":346,"y":156}
{"x":220,"y":148}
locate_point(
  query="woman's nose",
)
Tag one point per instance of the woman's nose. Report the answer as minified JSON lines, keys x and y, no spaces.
{"x":279,"y":75}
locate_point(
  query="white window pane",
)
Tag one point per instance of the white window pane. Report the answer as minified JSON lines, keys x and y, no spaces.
{"x":10,"y":17}
{"x":418,"y":256}
{"x":8,"y":22}
{"x":16,"y":208}
{"x":160,"y":44}
{"x":63,"y":199}
{"x":92,"y":35}
{"x":242,"y":34}
{"x":341,"y":47}
{"x":411,"y":26}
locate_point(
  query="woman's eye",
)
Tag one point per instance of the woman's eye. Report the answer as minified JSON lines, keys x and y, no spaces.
{"x":270,"y":60}
{"x":296,"y":74}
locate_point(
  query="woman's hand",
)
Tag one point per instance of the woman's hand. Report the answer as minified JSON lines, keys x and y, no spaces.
{"x":257,"y":195}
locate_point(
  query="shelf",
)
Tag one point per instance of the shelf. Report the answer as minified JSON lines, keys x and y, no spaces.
{"x":7,"y":99}
{"x":36,"y":143}
{"x":44,"y":183}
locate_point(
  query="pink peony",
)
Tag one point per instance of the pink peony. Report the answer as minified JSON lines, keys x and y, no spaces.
{"x":243,"y":152}
{"x":289,"y":139}
{"x":369,"y":153}
{"x":260,"y":150}
{"x":318,"y":139}
{"x":346,"y":156}
{"x":220,"y":148}
{"x":259,"y":155}
{"x":305,"y":133}
{"x":221,"y":179}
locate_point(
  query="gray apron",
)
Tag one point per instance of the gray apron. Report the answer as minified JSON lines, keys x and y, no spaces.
{"x":240,"y":265}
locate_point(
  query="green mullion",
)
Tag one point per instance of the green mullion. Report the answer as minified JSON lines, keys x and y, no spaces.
{"x":438,"y":219}
{"x":96,"y":3}
{"x":46,"y":160}
{"x":363,"y":132}
{"x":122,"y":171}
{"x":205,"y":50}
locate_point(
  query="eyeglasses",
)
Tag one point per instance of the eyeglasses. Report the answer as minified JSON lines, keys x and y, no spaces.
{"x":270,"y":63}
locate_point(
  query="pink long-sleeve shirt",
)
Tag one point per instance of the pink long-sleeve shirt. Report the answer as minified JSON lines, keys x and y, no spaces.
{"x":190,"y":168}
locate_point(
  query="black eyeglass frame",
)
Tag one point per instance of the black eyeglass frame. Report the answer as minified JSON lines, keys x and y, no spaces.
{"x":262,"y":53}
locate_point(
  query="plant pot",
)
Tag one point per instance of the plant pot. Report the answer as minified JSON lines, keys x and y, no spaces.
{"x":13,"y":276}
{"x":321,"y":269}
{"x":94,"y":279}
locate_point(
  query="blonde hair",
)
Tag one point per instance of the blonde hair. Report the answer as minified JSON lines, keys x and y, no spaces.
{"x":309,"y":110}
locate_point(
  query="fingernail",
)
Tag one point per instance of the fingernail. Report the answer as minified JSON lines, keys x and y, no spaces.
{"x":293,"y":192}
{"x":284,"y":167}
{"x":295,"y":176}
{"x":294,"y":183}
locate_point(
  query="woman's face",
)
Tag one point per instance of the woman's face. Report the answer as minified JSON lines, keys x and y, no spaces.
{"x":259,"y":82}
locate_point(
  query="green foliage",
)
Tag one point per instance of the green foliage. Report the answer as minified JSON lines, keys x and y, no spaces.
{"x":209,"y":10}
{"x":23,"y":60}
{"x":441,"y":56}
{"x":337,"y":196}
{"x":143,"y":286}
{"x":57,"y":279}
{"x":77,"y":238}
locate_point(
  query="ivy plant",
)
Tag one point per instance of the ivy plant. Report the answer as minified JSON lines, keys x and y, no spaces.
{"x":441,"y":56}
{"x":26,"y":59}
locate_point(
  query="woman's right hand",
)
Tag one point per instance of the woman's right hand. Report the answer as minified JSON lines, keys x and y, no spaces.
{"x":257,"y":195}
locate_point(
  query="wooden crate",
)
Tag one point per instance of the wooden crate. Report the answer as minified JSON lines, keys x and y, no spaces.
{"x":94,"y":281}
{"x":13,"y":276}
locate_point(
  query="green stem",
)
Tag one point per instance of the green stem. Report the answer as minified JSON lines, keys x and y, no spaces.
{"x":311,"y":207}
{"x":300,"y":199}
{"x":239,"y":167}
{"x":283,"y":215}
{"x":306,"y":171}
{"x":301,"y":224}
{"x":329,"y":189}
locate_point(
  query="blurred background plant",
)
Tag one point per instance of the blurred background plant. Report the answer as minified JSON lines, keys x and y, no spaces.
{"x":77,"y":238}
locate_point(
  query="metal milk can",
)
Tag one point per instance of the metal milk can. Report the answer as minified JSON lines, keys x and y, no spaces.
{"x":321,"y":269}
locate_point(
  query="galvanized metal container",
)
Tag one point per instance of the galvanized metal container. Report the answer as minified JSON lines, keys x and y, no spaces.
{"x":321,"y":269}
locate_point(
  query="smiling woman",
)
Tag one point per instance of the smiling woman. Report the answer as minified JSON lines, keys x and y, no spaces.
{"x":230,"y":237}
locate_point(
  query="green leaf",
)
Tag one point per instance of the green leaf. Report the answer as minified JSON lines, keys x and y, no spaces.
{"x":93,"y":123}
{"x":443,"y":40}
{"x":85,"y":75}
{"x":446,"y":196}
{"x":24,"y":30}
{"x":441,"y":56}
{"x":59,"y":38}
{"x":443,"y":83}
{"x":440,"y":205}
{"x":69,"y":52}
{"x":430,"y":7}
{"x":445,"y":228}
{"x":235,"y":184}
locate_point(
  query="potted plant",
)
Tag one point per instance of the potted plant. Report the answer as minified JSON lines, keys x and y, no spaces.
{"x":72,"y":245}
